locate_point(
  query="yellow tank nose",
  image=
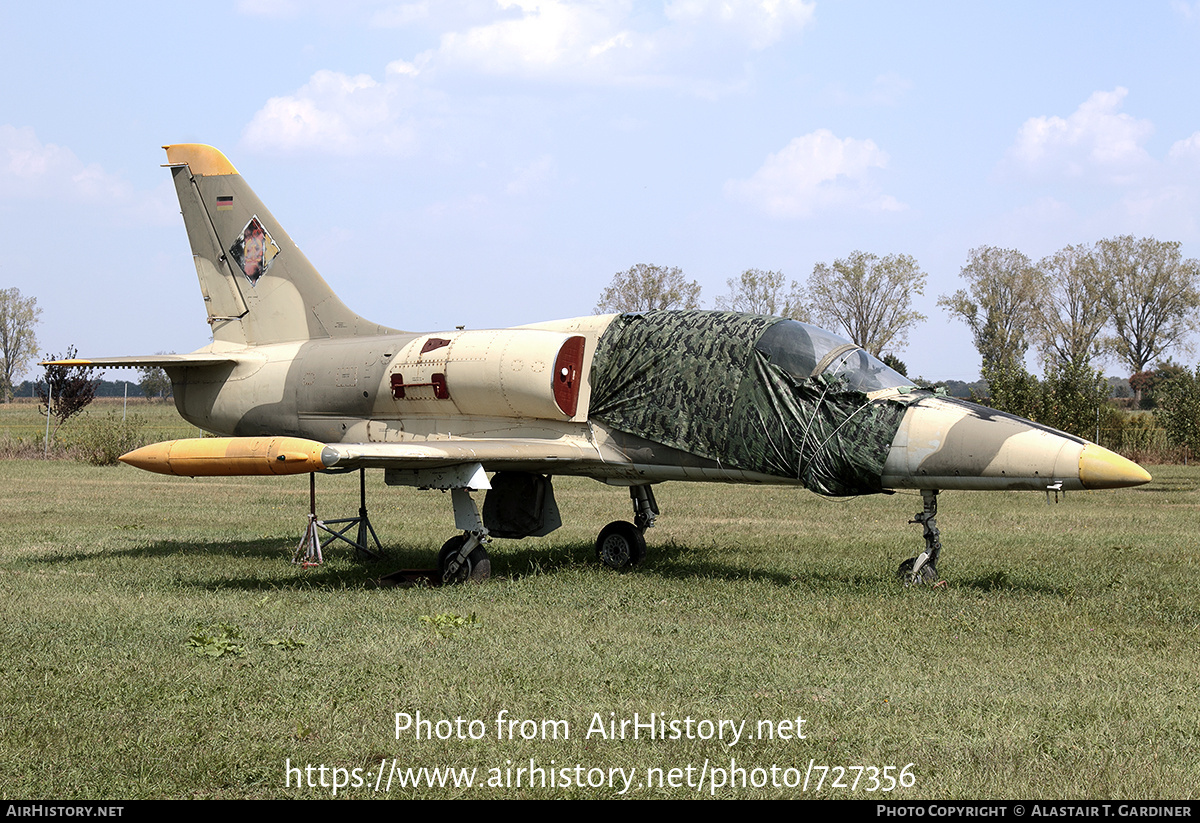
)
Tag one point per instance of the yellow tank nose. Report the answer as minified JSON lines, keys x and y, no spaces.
{"x":1101,"y":469}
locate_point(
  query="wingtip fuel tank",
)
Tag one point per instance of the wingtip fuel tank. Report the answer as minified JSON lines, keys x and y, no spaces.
{"x":232,"y":456}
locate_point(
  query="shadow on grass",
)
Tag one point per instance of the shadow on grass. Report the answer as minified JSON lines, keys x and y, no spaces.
{"x":1000,"y":580}
{"x":197,"y":564}
{"x":511,"y":559}
{"x":670,"y":561}
{"x":341,"y":570}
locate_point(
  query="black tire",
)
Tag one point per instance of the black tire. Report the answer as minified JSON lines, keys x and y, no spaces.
{"x":620,"y":546}
{"x":927,"y":574}
{"x":477,"y":569}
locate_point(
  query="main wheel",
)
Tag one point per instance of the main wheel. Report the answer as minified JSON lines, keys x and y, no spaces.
{"x":927,"y":574}
{"x":620,"y":545}
{"x":476,"y":569}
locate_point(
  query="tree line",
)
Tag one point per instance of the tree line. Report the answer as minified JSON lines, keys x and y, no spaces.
{"x":19,"y":317}
{"x":1126,"y":299}
{"x":866,"y":296}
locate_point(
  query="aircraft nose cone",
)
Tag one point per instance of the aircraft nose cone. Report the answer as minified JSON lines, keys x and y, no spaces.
{"x":1101,"y":469}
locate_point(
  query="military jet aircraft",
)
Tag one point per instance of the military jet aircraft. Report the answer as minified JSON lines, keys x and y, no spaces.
{"x":300,"y":383}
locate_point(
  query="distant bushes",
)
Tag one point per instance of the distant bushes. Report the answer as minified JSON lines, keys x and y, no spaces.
{"x":1178,"y":408}
{"x":101,"y":440}
{"x":1070,"y":398}
{"x":13,"y":447}
{"x":1076,"y":400}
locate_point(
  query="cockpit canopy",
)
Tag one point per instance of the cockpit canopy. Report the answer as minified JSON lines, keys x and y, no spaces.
{"x":804,"y":351}
{"x":750,"y":393}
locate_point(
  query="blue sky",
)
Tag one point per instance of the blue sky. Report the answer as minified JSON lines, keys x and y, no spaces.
{"x":487,"y":163}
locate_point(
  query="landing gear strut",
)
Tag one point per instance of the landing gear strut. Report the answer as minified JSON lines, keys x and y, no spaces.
{"x":922,"y":569}
{"x":464,"y":557}
{"x":621,"y":544}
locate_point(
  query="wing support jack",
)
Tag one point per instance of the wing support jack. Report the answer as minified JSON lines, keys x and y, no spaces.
{"x":308,"y":552}
{"x":361,"y":544}
{"x":923,"y":568}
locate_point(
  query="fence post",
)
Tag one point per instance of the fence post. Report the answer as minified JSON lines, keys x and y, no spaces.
{"x":49,"y":402}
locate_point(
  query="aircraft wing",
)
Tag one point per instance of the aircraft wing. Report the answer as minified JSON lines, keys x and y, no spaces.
{"x":160,"y":360}
{"x":492,"y":454}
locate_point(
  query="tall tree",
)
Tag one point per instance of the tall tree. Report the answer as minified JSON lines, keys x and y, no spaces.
{"x":644,"y":288}
{"x":1152,"y":294}
{"x":154,"y":382}
{"x":1072,"y":312}
{"x":764,"y":292}
{"x":868,"y":297}
{"x":999,"y":304}
{"x":18,"y":343}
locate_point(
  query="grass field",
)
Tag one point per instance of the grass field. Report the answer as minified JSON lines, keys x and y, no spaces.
{"x":20,"y":420}
{"x":160,"y":644}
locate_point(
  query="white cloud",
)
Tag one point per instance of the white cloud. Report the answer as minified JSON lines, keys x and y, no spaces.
{"x":615,"y":41}
{"x":814,"y":173}
{"x":400,"y":15}
{"x":548,"y":36}
{"x":340,"y":114}
{"x":1186,"y":152}
{"x":761,"y":22}
{"x":33,"y":170}
{"x":1188,"y":11}
{"x":886,"y":90}
{"x":1097,"y":143}
{"x":269,"y":8}
{"x":588,"y":42}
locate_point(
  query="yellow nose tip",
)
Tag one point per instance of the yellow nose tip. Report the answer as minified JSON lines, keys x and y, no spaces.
{"x":1101,"y":469}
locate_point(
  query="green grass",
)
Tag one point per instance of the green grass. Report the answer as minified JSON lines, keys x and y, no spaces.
{"x":21,"y":418}
{"x":160,"y":644}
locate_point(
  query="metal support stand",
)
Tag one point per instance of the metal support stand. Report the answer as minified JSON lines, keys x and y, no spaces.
{"x":308,"y":552}
{"x":362,"y":547}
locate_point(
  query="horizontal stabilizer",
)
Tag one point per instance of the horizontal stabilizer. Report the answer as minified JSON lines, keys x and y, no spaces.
{"x":160,"y":360}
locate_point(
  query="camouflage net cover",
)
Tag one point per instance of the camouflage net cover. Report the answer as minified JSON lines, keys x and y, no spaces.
{"x":706,"y":383}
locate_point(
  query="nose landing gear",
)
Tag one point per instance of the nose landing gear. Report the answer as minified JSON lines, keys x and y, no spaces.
{"x":922,"y":569}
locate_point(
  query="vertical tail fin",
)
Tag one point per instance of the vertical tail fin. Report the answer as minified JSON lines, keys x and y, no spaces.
{"x":258,"y":287}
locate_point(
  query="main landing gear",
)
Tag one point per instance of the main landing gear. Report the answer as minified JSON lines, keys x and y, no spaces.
{"x":464,"y":557}
{"x":621,"y":544}
{"x":922,"y":569}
